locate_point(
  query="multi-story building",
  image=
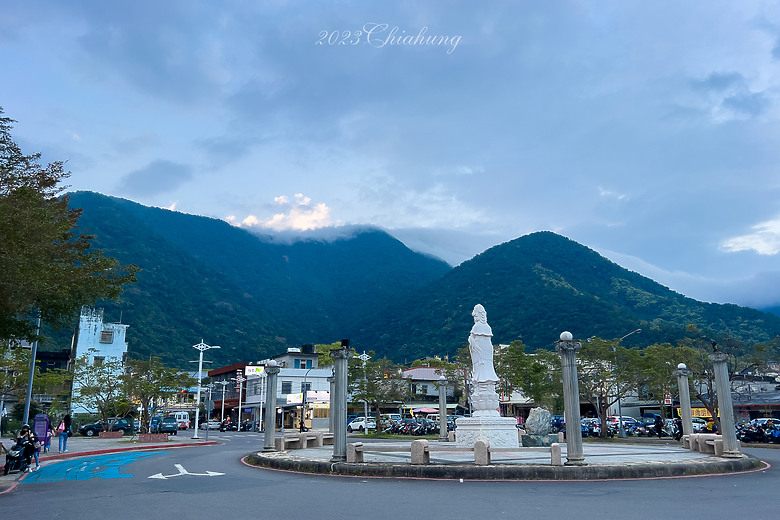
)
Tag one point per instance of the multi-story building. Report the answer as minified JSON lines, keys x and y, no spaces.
{"x":299,"y":373}
{"x":97,"y":342}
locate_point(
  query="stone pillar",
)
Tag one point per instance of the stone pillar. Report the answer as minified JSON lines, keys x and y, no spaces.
{"x":568,"y":348}
{"x":332,"y":381}
{"x":271,"y":371}
{"x":728,"y":429}
{"x":682,"y":373}
{"x":443,"y":409}
{"x":339,"y":402}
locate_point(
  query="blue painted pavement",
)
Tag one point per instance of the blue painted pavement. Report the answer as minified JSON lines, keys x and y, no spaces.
{"x":103,"y":466}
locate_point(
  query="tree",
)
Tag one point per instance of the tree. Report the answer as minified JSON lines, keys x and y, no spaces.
{"x":46,"y":267}
{"x":101,"y":386}
{"x":14,"y":375}
{"x":379,"y":383}
{"x":607,"y":372}
{"x":149,"y":382}
{"x":537,"y":375}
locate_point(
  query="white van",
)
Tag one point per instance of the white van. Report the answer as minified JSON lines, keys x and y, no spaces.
{"x":182,"y":419}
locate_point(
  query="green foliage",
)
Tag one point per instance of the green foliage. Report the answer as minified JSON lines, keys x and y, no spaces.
{"x":149,"y":382}
{"x":378,"y":382}
{"x":44,"y":266}
{"x":101,"y":387}
{"x":608,"y":371}
{"x":540,"y":284}
{"x":17,"y":412}
{"x":205,"y":278}
{"x":537,"y":375}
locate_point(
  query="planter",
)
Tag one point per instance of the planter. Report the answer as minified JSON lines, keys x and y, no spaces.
{"x":110,"y":435}
{"x":152,"y":437}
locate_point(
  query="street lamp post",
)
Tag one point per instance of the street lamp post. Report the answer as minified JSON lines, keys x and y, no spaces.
{"x":210,"y":407}
{"x":303,"y":401}
{"x":33,"y":353}
{"x":201,"y":347}
{"x":621,"y":428}
{"x":222,"y":414}
{"x":365,"y":357}
{"x":239,"y":379}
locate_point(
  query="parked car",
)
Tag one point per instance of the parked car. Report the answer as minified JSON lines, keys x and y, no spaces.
{"x":117,"y":424}
{"x":166,"y":425}
{"x":361,"y":425}
{"x":699,"y":424}
{"x":761,"y":421}
{"x":211,"y":424}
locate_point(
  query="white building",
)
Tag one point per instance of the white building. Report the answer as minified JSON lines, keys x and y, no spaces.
{"x":299,"y":372}
{"x":99,"y":342}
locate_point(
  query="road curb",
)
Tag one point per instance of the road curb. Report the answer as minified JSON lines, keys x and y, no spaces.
{"x":633,"y":470}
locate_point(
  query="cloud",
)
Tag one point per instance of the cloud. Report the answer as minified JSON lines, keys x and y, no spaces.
{"x":301,"y":215}
{"x":728,"y":95}
{"x":612,"y":194}
{"x":159,"y":176}
{"x":758,"y":290}
{"x":765,"y":240}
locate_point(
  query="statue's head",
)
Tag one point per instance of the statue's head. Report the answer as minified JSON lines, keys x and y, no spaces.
{"x":479,"y":313}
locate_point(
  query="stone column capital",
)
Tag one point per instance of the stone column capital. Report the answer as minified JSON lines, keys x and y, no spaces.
{"x":681,"y":372}
{"x":341,"y":353}
{"x":567,"y":345}
{"x":271,"y":370}
{"x":719,"y":357}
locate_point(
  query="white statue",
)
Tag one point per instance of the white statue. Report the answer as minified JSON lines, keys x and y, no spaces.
{"x":483,"y":375}
{"x":481,"y":348}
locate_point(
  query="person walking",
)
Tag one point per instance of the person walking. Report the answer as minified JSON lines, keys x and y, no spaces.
{"x":49,"y":436}
{"x":63,"y":431}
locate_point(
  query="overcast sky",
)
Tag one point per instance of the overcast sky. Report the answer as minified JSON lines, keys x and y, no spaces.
{"x":647,"y":130}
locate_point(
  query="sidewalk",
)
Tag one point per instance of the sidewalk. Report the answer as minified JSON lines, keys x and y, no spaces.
{"x":80,"y":446}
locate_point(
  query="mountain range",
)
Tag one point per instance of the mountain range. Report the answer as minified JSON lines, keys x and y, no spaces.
{"x":203,"y":278}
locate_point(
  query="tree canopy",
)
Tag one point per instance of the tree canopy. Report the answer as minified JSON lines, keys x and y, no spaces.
{"x":46,"y":267}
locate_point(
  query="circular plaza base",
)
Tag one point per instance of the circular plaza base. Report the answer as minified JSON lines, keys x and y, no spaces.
{"x":602,"y":462}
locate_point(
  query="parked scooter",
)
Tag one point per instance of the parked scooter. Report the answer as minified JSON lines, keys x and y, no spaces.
{"x":18,"y":457}
{"x":751,"y":433}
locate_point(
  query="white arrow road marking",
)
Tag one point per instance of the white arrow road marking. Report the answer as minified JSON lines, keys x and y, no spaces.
{"x":183,"y":471}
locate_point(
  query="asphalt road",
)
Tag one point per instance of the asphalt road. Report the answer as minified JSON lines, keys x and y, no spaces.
{"x":119,"y":486}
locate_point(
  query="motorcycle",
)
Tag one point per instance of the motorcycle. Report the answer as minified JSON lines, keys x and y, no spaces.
{"x":18,"y":457}
{"x":228,"y":426}
{"x":752,"y":433}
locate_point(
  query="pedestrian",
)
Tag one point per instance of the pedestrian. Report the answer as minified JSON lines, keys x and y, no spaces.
{"x":63,"y":431}
{"x":49,"y":436}
{"x":32,"y":445}
{"x":658,"y":424}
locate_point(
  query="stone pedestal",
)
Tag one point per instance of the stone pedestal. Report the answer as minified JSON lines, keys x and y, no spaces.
{"x":500,"y":432}
{"x":538,"y":441}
